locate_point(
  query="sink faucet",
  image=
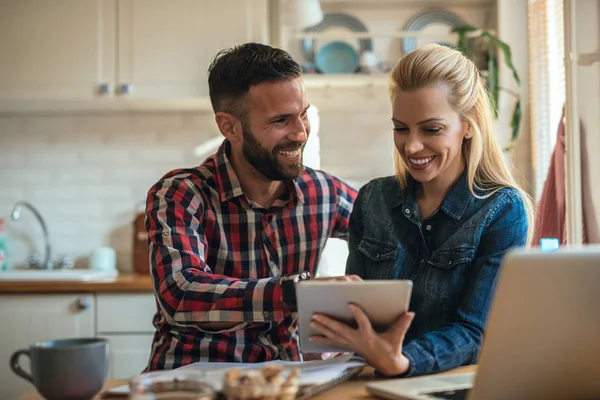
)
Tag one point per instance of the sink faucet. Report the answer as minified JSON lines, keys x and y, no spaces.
{"x":16,"y":213}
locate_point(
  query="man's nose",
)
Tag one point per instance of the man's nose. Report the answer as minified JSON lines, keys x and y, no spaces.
{"x":300,"y":132}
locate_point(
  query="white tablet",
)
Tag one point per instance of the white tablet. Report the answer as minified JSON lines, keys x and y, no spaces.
{"x":384,"y":301}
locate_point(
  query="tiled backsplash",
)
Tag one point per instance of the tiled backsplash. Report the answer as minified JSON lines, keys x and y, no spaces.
{"x":88,"y":174}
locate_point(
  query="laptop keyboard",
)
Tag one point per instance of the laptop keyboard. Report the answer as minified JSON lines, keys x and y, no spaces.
{"x":460,"y":394}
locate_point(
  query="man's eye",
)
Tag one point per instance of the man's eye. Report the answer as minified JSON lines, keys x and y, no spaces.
{"x":279,"y":121}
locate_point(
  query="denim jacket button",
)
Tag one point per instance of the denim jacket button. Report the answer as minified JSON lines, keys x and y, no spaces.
{"x":449,"y":262}
{"x":421,"y":261}
{"x":407,"y":210}
{"x":428,"y":227}
{"x":377,"y":256}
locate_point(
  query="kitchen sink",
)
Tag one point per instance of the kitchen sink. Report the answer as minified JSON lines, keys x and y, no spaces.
{"x":79,"y":275}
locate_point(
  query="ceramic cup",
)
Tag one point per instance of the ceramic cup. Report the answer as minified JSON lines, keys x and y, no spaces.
{"x":103,"y":259}
{"x":66,"y":369}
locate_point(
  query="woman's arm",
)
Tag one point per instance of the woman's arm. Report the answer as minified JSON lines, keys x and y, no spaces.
{"x":455,"y":344}
{"x":459,"y":342}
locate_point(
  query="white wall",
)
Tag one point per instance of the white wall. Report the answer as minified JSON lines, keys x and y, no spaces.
{"x":588,"y":88}
{"x":89,"y":174}
{"x":512,"y":28}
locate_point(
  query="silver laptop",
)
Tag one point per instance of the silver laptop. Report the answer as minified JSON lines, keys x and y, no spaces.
{"x":542,"y":339}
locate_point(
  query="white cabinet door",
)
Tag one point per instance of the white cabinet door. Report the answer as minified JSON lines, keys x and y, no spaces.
{"x":165,"y":47}
{"x":125,"y":312}
{"x":125,"y":319}
{"x":129,"y":354}
{"x":56,"y":49}
{"x":27,"y":319}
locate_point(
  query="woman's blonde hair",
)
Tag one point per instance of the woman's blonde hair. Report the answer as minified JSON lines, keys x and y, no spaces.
{"x":431,"y":65}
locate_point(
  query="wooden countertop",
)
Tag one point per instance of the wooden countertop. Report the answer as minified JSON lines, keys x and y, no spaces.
{"x":124,"y":282}
{"x":351,"y":390}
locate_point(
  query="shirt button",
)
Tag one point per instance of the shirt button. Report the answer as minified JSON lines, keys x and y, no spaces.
{"x":266,"y":314}
{"x":166,"y":232}
{"x":428,"y":227}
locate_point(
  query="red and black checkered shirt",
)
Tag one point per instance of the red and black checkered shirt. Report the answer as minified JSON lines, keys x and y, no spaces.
{"x":216,"y":256}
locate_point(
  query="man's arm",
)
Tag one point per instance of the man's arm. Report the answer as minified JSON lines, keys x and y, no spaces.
{"x":346,"y":196}
{"x":188,"y":291}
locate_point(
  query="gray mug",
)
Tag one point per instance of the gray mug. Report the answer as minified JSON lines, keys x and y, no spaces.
{"x":66,"y":369}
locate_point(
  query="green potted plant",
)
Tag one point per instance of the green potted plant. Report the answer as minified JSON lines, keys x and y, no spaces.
{"x":485,"y":46}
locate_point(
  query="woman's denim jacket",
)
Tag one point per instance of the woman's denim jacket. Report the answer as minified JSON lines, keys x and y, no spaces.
{"x":452,"y":257}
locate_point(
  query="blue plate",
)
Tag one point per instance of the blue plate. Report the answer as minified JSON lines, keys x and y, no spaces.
{"x":336,"y":20}
{"x":337,"y":58}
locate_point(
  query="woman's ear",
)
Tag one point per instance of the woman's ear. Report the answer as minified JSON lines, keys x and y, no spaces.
{"x":229,"y":126}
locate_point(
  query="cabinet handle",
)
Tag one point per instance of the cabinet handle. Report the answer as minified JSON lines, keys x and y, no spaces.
{"x":125,"y":89}
{"x":103,"y":88}
{"x":83,"y":303}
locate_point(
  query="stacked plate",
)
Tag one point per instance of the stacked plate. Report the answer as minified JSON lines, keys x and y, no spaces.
{"x":434,"y":21}
{"x":337,"y":56}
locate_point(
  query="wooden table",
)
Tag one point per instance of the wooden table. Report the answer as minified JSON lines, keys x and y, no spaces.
{"x":351,"y":390}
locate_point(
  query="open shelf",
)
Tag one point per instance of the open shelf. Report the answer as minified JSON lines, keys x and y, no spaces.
{"x":323,"y":81}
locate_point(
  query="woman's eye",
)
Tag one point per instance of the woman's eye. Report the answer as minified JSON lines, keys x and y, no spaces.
{"x":400,"y":129}
{"x":433,"y":130}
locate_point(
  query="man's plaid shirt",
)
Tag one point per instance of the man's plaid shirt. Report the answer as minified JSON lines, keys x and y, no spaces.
{"x":218,"y":257}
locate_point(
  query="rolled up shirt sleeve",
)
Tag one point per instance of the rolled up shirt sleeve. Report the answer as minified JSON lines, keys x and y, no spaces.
{"x":188,"y":291}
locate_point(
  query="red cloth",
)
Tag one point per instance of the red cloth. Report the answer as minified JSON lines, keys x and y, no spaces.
{"x":551,"y":209}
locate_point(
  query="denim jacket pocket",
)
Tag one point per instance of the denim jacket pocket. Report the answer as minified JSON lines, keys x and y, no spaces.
{"x":380,"y":257}
{"x":446,"y":272}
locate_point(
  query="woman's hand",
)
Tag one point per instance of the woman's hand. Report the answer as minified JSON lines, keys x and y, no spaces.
{"x":381,"y":350}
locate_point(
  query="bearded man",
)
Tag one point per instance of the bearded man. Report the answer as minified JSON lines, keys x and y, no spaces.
{"x":229,"y":239}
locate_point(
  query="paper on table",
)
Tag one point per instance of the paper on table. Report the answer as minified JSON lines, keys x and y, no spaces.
{"x":311,"y":372}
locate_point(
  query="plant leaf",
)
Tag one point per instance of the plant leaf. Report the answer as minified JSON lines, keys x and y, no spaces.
{"x":515,"y":122}
{"x":492,"y":81}
{"x":506,"y":52}
{"x":463,"y":40}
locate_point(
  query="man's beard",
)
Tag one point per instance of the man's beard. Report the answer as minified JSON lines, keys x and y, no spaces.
{"x":265,"y":161}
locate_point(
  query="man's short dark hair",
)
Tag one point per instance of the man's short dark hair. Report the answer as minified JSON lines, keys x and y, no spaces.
{"x":233,"y":71}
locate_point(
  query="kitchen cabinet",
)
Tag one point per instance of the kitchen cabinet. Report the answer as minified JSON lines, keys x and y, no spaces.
{"x":56,"y":49}
{"x":165,"y":47}
{"x":74,"y":49}
{"x":30,"y":318}
{"x":125,"y":319}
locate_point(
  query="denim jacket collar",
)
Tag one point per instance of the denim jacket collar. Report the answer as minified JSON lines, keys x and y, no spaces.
{"x":454,"y":205}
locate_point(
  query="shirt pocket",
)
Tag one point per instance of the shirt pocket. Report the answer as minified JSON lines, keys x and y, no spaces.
{"x":447,"y":272}
{"x":379,"y":257}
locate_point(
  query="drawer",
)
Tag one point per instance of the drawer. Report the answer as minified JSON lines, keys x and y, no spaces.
{"x":129,"y":354}
{"x":129,"y":312}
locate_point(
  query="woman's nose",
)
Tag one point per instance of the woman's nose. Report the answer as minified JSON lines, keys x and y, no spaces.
{"x":413,"y":144}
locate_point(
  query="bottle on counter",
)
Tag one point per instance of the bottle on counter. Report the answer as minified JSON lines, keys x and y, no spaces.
{"x":3,"y":247}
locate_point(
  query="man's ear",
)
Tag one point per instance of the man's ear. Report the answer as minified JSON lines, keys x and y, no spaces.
{"x":229,"y":126}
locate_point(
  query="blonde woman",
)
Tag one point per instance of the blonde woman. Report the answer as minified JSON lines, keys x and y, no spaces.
{"x":444,"y":221}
